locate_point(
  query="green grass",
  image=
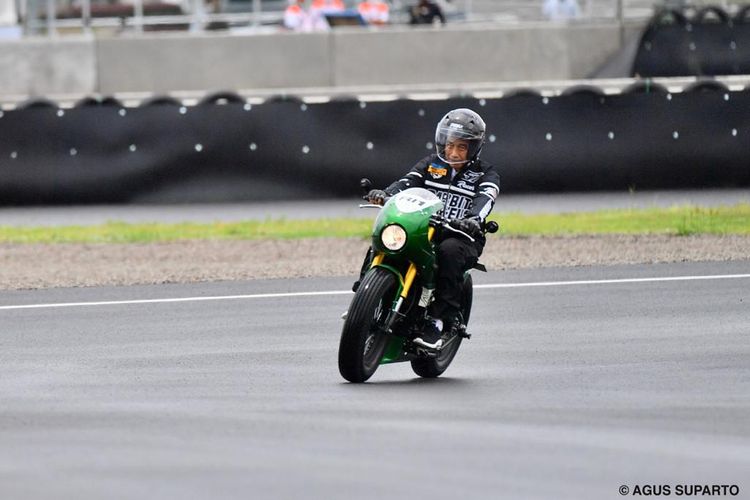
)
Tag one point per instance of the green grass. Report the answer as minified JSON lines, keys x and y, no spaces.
{"x":681,"y":221}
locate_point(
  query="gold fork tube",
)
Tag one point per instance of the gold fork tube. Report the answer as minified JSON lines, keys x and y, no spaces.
{"x":377,"y":260}
{"x":411,"y":273}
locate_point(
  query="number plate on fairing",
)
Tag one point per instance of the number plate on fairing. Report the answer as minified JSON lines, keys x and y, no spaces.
{"x":415,"y":200}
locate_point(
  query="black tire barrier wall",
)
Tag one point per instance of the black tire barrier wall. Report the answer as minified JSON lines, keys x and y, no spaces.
{"x":162,"y":151}
{"x":709,"y":43}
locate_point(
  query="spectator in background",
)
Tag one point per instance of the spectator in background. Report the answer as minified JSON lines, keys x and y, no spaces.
{"x":426,"y":12}
{"x":557,"y":10}
{"x":375,"y":12}
{"x":323,"y":7}
{"x":319,"y":9}
{"x":295,"y":16}
{"x":9,"y":20}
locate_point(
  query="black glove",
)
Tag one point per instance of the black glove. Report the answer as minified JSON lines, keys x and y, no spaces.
{"x":377,"y":196}
{"x":468,"y":226}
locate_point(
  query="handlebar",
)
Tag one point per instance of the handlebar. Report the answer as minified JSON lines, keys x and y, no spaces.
{"x":487,"y":227}
{"x":437,"y":220}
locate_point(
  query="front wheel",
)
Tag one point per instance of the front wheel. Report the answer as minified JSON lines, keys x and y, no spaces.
{"x":434,"y":367}
{"x":363,"y":338}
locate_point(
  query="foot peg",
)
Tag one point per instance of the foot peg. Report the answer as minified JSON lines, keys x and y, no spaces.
{"x":461,"y":330}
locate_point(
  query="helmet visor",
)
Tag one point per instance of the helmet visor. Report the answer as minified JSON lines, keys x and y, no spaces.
{"x":459,"y":138}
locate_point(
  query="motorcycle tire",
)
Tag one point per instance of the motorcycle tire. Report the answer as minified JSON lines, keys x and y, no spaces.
{"x":434,"y":367}
{"x":363,"y":340}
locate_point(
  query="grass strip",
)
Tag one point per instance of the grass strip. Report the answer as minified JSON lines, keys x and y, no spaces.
{"x":680,"y":220}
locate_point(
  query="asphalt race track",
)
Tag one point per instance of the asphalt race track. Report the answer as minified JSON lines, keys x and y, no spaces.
{"x":571,"y":388}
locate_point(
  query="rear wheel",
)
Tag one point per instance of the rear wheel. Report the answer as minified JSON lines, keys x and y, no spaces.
{"x":363,"y":338}
{"x":434,"y":367}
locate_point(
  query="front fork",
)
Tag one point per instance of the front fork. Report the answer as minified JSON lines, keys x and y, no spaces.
{"x":406,"y":283}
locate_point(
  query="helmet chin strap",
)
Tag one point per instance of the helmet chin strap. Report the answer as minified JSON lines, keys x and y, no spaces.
{"x":453,"y":163}
{"x":462,"y":163}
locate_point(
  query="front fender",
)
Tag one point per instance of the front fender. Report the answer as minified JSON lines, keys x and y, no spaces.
{"x":379,"y":263}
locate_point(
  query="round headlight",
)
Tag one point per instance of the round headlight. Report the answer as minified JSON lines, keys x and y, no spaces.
{"x":393,"y":237}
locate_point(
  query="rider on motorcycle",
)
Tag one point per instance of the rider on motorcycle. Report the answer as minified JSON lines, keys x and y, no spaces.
{"x":468,"y":187}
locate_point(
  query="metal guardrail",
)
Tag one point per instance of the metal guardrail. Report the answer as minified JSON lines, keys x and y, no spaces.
{"x":42,"y":16}
{"x":198,"y":18}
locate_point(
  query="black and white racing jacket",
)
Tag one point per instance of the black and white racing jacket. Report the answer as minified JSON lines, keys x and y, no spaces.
{"x":469,"y":193}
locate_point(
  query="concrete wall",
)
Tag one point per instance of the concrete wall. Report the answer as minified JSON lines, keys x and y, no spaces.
{"x":212,"y":62}
{"x":344,"y":57}
{"x":451,"y":56}
{"x":43,"y":66}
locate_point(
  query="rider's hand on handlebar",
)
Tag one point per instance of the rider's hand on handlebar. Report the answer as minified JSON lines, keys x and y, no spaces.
{"x":468,"y":226}
{"x":377,"y":196}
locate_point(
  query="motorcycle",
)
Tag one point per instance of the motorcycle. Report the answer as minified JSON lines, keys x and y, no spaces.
{"x":388,"y":313}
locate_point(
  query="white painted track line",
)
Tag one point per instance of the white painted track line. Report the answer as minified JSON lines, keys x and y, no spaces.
{"x":615,"y":281}
{"x":345,"y":292}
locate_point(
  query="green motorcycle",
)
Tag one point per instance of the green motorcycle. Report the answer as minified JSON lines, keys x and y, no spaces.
{"x":389,"y":309}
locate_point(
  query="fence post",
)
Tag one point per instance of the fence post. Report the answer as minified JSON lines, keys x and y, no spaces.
{"x":138,"y":15}
{"x":86,"y":15}
{"x":51,"y":18}
{"x":257,"y":8}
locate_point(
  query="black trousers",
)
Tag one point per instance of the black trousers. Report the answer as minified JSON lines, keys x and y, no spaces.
{"x":455,"y":255}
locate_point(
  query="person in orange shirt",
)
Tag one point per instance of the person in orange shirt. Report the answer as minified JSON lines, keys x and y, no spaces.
{"x":327,"y":7}
{"x":374,"y":12}
{"x":319,"y":9}
{"x":295,"y":17}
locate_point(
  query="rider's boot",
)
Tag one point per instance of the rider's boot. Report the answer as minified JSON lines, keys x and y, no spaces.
{"x":443,"y":318}
{"x":431,"y":334}
{"x":454,"y":320}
